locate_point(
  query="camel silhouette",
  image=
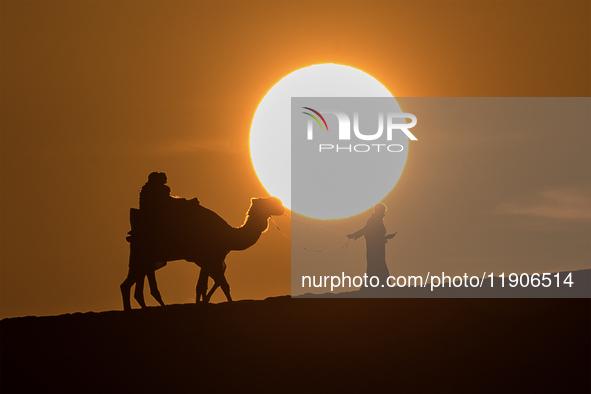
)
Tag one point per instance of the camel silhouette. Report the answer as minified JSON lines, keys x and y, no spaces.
{"x":195,"y":234}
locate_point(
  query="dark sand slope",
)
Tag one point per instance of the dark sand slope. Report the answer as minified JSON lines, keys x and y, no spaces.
{"x":307,"y":345}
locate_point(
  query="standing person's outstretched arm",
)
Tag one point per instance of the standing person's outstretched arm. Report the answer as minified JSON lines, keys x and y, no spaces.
{"x":357,"y":233}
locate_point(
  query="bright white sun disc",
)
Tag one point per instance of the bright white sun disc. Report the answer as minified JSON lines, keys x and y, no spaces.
{"x":270,"y":134}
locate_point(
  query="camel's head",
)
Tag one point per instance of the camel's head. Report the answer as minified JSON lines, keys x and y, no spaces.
{"x":265,"y":207}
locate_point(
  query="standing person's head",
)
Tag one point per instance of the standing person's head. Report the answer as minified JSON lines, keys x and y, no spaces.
{"x":380,"y":209}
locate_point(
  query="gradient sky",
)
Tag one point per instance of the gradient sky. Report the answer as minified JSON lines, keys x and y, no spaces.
{"x":96,"y":95}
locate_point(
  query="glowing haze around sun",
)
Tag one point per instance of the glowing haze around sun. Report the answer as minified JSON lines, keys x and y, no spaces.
{"x":270,"y":133}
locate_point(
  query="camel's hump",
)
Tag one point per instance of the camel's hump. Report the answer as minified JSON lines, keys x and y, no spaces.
{"x":192,"y":217}
{"x":185,"y":215}
{"x":209,"y":218}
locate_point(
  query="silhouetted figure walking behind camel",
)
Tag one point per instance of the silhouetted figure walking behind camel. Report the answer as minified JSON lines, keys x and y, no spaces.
{"x":185,"y":230}
{"x":155,"y":206}
{"x":375,"y":241}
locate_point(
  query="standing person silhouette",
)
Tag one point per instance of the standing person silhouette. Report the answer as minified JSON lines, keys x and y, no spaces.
{"x":375,"y":241}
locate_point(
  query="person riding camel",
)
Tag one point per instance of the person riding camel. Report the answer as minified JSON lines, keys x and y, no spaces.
{"x":155,"y":194}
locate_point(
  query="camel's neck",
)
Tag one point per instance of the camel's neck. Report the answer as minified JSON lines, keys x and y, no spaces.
{"x":248,"y":234}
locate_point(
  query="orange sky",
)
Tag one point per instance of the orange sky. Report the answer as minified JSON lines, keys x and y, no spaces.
{"x":95,"y":95}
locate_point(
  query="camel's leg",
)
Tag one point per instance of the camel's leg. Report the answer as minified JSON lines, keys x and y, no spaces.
{"x":139,"y":291}
{"x":201,"y":288}
{"x":207,"y":297}
{"x":220,"y":280}
{"x":154,"y":287}
{"x":226,"y":289}
{"x":126,"y":291}
{"x":133,"y":275}
{"x":213,"y":289}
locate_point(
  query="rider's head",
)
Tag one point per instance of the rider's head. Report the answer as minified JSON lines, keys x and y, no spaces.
{"x":153,"y":177}
{"x":162,"y":177}
{"x":157,"y":178}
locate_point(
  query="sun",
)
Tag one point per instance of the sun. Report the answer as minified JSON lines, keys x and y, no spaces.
{"x":270,"y":139}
